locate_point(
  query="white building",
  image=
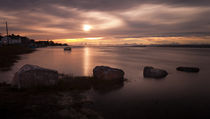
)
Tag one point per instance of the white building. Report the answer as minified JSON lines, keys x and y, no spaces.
{"x":10,"y":41}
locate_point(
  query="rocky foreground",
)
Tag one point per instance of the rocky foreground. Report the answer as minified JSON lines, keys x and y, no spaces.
{"x":40,"y":93}
{"x":44,"y":103}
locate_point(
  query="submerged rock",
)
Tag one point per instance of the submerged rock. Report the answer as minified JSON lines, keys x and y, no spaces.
{"x":150,"y":72}
{"x":188,"y":69}
{"x":34,"y":76}
{"x":108,"y":73}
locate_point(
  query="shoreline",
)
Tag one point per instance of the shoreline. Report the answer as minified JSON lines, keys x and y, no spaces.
{"x":11,"y":54}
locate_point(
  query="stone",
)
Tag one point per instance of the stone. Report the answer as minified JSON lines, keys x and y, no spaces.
{"x":108,"y":73}
{"x":150,"y":72}
{"x":30,"y":76}
{"x":188,"y":69}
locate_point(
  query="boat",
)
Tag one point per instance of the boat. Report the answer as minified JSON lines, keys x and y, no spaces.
{"x":67,"y":48}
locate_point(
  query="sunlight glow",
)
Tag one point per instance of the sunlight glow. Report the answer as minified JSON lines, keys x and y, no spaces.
{"x":96,"y":38}
{"x":87,"y":27}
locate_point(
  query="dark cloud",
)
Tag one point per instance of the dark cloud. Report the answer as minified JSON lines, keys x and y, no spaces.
{"x":94,"y":4}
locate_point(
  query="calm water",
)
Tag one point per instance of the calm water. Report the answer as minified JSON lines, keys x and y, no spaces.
{"x":178,"y":94}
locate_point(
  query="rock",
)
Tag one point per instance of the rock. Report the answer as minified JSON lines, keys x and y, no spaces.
{"x":30,"y":76}
{"x":108,"y":73}
{"x":150,"y":72}
{"x":188,"y":69}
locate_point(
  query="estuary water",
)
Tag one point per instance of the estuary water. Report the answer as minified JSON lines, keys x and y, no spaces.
{"x":178,"y":95}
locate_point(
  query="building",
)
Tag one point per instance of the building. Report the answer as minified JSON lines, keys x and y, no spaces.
{"x":0,"y":39}
{"x":10,"y":41}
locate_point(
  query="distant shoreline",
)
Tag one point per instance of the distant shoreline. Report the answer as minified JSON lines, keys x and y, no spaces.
{"x":175,"y":46}
{"x":161,"y":45}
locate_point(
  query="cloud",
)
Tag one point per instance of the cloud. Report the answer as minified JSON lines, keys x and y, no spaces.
{"x":106,"y":5}
{"x":110,"y":19}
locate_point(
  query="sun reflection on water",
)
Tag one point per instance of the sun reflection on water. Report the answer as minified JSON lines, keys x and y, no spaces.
{"x":86,"y":61}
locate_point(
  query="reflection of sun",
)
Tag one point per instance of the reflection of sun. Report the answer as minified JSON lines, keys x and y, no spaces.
{"x":87,"y":27}
{"x":86,"y":61}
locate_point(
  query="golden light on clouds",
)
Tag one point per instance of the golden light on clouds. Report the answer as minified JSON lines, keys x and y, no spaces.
{"x":78,"y":41}
{"x":143,"y":40}
{"x":96,"y":38}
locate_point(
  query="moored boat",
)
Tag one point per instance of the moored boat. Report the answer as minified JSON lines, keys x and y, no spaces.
{"x":67,"y":48}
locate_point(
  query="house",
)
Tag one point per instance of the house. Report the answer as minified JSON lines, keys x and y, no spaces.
{"x":0,"y":39}
{"x":10,"y":41}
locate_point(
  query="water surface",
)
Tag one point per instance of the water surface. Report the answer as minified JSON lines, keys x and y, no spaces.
{"x":176,"y":95}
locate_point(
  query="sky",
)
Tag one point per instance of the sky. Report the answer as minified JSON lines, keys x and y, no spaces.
{"x":104,"y":22}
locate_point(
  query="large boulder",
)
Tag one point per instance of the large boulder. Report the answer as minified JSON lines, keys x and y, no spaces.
{"x":188,"y":69}
{"x":150,"y":72}
{"x":108,"y":73}
{"x":34,"y":76}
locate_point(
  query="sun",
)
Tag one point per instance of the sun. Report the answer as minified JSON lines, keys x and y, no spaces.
{"x":87,"y":27}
